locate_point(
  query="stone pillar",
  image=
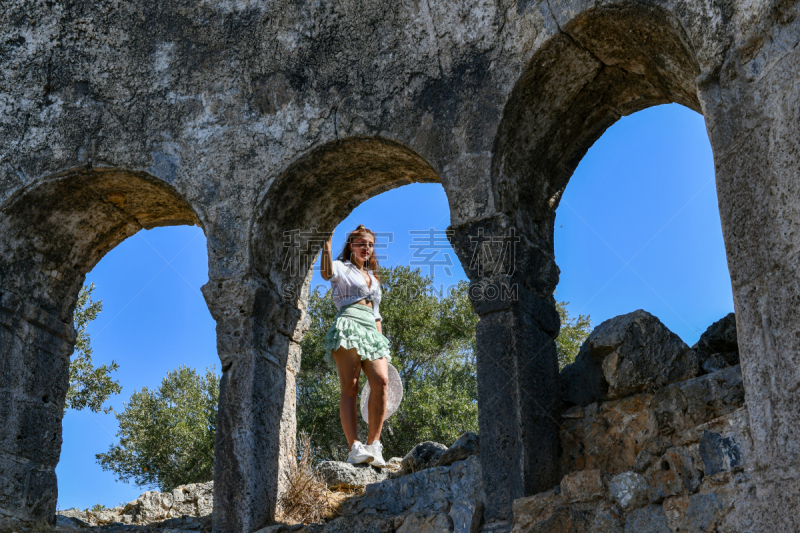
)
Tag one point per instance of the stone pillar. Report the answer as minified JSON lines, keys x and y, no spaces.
{"x":753,"y":110}
{"x":34,"y":377}
{"x":255,"y":443}
{"x":518,"y":393}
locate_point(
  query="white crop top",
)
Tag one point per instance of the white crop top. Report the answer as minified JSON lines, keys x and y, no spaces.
{"x":349,"y":286}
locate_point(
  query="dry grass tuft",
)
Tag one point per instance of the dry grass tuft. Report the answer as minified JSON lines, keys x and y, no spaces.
{"x":307,"y":499}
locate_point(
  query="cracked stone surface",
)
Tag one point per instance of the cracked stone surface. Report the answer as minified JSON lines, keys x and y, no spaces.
{"x":256,"y":120}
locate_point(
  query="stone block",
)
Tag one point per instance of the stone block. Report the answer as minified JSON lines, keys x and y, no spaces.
{"x":720,"y":453}
{"x":639,"y":354}
{"x":607,"y":436}
{"x":693,"y":514}
{"x":537,"y":508}
{"x":45,"y":376}
{"x":563,"y":519}
{"x":673,"y":474}
{"x":12,"y":482}
{"x":41,"y":494}
{"x":583,"y":486}
{"x":11,"y":366}
{"x":625,"y":355}
{"x":684,"y":406}
{"x":606,"y":521}
{"x":649,"y":519}
{"x":339,"y":475}
{"x":454,"y":490}
{"x":628,"y":490}
{"x":651,"y":451}
{"x":38,"y":432}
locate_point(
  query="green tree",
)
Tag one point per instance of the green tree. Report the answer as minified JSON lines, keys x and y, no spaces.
{"x":88,"y":386}
{"x":432,"y":343}
{"x":572,"y":335}
{"x":166,"y":436}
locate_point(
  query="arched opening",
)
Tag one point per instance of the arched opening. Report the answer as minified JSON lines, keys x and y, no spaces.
{"x":54,"y":232}
{"x":426,"y":316}
{"x":295,"y":217}
{"x":638,"y":225}
{"x":605,"y":63}
{"x":155,"y":325}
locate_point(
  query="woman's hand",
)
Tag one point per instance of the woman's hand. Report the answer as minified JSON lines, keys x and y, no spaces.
{"x":378,"y":325}
{"x":326,"y":266}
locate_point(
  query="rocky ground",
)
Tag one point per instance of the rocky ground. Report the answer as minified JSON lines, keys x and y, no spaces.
{"x":655,"y":439}
{"x":446,"y":480}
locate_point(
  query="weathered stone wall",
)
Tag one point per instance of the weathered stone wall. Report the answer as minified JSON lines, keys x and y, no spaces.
{"x":254,"y":118}
{"x":670,"y":457}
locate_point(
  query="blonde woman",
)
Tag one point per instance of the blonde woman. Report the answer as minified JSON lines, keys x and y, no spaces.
{"x":355,"y":341}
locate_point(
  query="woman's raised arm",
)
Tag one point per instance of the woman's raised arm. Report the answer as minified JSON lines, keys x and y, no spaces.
{"x":326,"y":267}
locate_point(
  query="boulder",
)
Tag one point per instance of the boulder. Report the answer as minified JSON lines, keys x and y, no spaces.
{"x":339,"y":475}
{"x":718,"y":346}
{"x":633,"y":353}
{"x":466,"y":445}
{"x":423,"y":455}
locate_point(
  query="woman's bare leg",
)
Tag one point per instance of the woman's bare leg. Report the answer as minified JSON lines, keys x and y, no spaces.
{"x":377,"y":372}
{"x":348,"y":363}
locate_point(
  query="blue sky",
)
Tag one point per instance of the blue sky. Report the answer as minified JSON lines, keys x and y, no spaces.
{"x":638,"y":228}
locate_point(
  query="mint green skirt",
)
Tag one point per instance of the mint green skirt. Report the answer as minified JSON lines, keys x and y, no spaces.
{"x":354,"y":327}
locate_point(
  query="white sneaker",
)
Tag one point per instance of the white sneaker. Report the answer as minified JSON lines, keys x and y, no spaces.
{"x":376,"y":449}
{"x":359,"y":454}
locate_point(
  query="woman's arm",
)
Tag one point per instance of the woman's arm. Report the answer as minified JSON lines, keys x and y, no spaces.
{"x":326,"y":266}
{"x":378,"y":325}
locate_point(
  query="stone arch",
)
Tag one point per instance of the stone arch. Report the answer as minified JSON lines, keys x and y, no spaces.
{"x":53,"y":233}
{"x":323,"y":187}
{"x":606,"y":63}
{"x":603,"y":63}
{"x":261,"y":317}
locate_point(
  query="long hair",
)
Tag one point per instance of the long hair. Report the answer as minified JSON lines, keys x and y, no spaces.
{"x":360,"y":231}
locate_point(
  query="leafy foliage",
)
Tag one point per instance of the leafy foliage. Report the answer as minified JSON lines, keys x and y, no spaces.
{"x":88,"y":386}
{"x":574,"y":332}
{"x":167,"y":435}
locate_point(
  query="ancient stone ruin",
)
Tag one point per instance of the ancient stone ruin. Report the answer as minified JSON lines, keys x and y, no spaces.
{"x":261,"y":121}
{"x":667,"y":452}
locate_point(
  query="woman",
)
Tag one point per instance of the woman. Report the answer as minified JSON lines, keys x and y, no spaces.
{"x":355,"y":341}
